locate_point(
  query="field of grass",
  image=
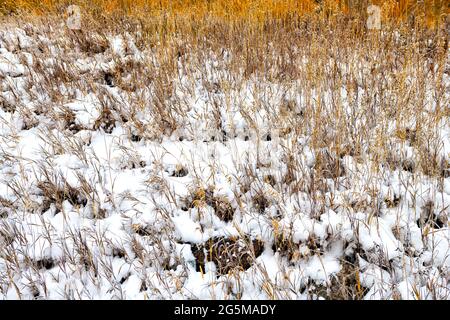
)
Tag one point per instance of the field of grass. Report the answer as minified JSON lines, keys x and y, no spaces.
{"x":242,"y":149}
{"x":429,"y":12}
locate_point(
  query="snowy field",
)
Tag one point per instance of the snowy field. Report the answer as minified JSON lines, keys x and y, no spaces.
{"x":132,"y":172}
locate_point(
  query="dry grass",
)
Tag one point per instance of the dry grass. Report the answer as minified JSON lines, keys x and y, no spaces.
{"x":298,"y":57}
{"x":428,"y":12}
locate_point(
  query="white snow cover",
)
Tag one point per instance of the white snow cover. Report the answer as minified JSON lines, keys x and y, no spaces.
{"x":129,"y":231}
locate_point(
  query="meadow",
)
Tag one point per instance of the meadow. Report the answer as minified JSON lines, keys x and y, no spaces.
{"x":242,"y":149}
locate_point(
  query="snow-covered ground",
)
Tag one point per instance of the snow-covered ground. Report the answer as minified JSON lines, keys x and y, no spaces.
{"x":120,"y":182}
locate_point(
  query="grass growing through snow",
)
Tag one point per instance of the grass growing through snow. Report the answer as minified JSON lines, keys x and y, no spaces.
{"x":368,"y":106}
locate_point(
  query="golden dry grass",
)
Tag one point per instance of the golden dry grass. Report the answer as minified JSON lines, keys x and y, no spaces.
{"x":314,"y":48}
{"x":428,"y":12}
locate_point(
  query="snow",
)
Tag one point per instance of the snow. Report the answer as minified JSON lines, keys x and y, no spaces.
{"x":189,"y":230}
{"x":132,"y":237}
